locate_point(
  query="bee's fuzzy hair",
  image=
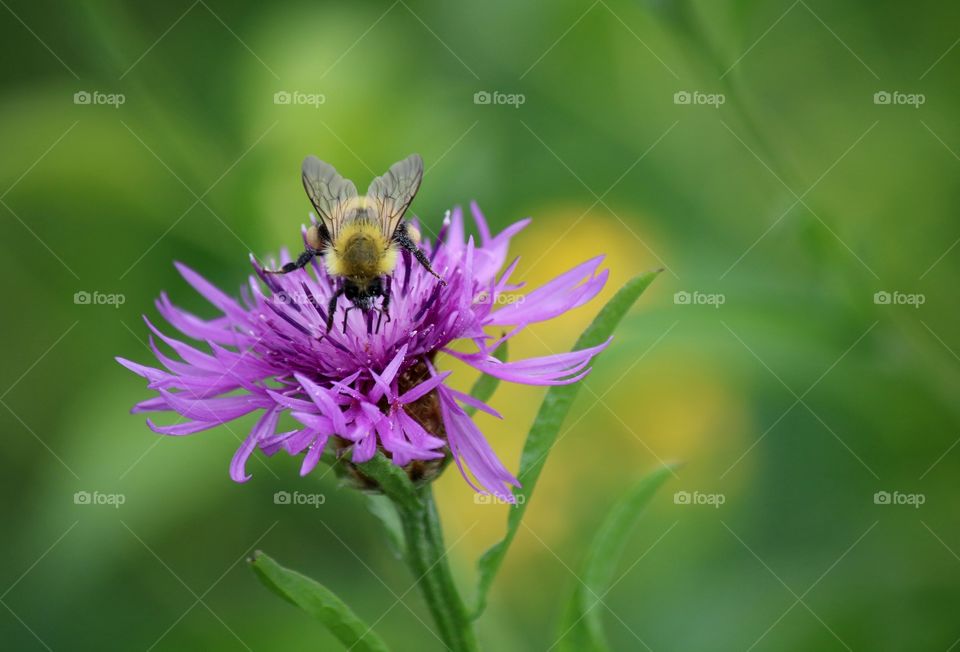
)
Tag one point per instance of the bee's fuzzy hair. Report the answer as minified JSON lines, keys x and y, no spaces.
{"x":360,"y":251}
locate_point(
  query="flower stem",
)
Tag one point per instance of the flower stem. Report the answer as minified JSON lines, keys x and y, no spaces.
{"x":427,"y":558}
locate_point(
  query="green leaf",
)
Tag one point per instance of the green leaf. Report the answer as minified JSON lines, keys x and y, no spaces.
{"x":486,"y":385}
{"x":382,"y":507}
{"x":546,"y":426}
{"x":318,"y":601}
{"x":581,"y":628}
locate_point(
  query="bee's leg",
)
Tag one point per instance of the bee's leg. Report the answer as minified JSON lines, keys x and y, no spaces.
{"x":346,"y":311}
{"x":302,"y":260}
{"x":332,"y":309}
{"x":385,"y":304}
{"x":401,"y":237}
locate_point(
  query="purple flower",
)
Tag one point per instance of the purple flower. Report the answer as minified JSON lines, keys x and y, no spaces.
{"x":365,"y":389}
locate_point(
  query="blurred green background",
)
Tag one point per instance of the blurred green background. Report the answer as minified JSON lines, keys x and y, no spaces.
{"x":796,"y":399}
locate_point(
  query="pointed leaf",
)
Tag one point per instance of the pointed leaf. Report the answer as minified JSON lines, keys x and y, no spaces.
{"x":546,"y":426}
{"x":318,"y":601}
{"x":581,"y":628}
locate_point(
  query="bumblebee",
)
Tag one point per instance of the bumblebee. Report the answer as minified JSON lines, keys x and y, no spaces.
{"x":360,"y":237}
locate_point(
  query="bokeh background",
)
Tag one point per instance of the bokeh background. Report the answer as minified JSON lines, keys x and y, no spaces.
{"x":780,"y":199}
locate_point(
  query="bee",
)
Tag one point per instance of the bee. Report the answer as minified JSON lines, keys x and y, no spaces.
{"x":360,"y":237}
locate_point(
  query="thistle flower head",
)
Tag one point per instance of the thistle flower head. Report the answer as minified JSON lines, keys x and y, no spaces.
{"x":364,"y":388}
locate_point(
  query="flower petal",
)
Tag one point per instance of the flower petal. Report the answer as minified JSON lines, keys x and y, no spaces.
{"x":477,"y":404}
{"x":199,"y":361}
{"x":325,"y":401}
{"x":557,"y":369}
{"x":313,"y":455}
{"x":153,"y":376}
{"x":221,"y":409}
{"x":155,"y":404}
{"x":264,"y":428}
{"x":569,"y":290}
{"x":423,"y":388}
{"x":493,"y":251}
{"x":185,"y":428}
{"x":290,"y":401}
{"x":470,"y":446}
{"x":313,"y":421}
{"x":220,"y":330}
{"x":384,"y":379}
{"x":272,"y":443}
{"x":423,"y":441}
{"x":211,"y":293}
{"x":365,"y":449}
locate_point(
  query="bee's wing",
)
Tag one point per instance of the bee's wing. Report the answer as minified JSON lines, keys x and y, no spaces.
{"x":393,"y":192}
{"x":328,"y":192}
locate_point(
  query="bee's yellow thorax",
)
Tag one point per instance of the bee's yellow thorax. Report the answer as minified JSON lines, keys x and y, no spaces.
{"x":360,"y":252}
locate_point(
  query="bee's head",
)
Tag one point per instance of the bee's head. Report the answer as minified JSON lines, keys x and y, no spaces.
{"x":360,"y":292}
